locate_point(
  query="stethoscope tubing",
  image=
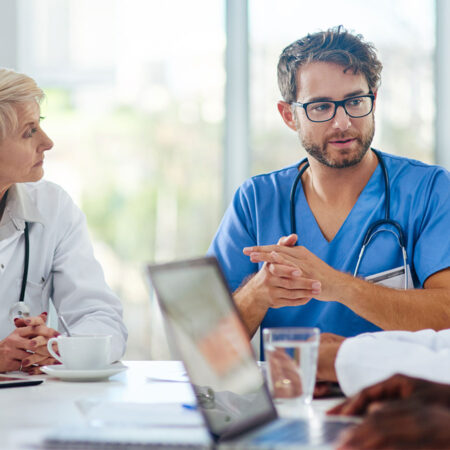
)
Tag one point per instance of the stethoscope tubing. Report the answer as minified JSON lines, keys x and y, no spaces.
{"x":20,"y":309}
{"x":26,"y":263}
{"x":372,"y":229}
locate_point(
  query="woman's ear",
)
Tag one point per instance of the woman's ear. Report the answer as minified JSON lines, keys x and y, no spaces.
{"x":287,"y":113}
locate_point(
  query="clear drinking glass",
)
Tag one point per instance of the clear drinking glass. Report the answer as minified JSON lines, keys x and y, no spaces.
{"x":291,"y":356}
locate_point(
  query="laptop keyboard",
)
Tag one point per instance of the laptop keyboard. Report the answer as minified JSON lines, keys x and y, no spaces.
{"x":61,"y":445}
{"x":299,"y":431}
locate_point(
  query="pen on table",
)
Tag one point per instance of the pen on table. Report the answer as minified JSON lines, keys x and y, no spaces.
{"x":189,"y":406}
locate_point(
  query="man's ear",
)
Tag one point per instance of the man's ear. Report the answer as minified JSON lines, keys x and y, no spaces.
{"x":375,"y":100}
{"x":287,"y":114}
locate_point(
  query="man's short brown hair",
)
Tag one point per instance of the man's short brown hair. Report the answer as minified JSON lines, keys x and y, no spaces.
{"x":335,"y":45}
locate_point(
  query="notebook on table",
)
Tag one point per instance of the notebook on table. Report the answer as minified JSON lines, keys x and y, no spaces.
{"x":231,"y":392}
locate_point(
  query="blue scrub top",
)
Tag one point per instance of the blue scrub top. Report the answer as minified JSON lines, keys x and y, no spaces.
{"x":259,"y":215}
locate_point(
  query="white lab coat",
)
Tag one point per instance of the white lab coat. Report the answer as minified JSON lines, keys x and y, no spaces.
{"x":62,"y":265}
{"x":372,"y":357}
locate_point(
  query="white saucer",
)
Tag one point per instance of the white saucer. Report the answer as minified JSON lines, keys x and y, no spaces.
{"x":61,"y":372}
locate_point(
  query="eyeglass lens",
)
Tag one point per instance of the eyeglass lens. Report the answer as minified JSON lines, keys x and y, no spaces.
{"x":354,"y":107}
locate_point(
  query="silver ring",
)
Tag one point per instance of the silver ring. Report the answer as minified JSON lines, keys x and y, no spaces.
{"x":20,"y":368}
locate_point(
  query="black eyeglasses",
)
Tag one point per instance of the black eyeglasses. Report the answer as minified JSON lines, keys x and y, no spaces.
{"x":323,"y":111}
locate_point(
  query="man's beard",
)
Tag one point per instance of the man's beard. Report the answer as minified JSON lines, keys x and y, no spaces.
{"x":320,"y":153}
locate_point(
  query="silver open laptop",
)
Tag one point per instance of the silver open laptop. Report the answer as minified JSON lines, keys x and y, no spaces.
{"x":213,"y":344}
{"x":210,"y":339}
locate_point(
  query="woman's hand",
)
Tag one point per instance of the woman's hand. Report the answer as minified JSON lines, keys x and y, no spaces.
{"x":26,"y":347}
{"x":13,"y":349}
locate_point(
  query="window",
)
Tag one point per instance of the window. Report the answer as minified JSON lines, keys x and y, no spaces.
{"x":135,"y":107}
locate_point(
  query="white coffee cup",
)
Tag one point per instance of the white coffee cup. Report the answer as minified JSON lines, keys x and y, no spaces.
{"x":82,"y":352}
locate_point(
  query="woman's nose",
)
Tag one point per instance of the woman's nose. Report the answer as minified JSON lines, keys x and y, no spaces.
{"x":46,"y":143}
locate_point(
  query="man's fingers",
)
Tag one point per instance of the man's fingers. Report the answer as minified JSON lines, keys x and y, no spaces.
{"x":312,"y":286}
{"x":288,"y":241}
{"x":261,"y":249}
{"x":291,"y":302}
{"x":291,"y":294}
{"x":273,"y":257}
{"x":282,"y":271}
{"x":290,"y":278}
{"x":284,"y":249}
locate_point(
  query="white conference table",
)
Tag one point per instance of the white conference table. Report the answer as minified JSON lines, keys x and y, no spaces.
{"x":28,"y":414}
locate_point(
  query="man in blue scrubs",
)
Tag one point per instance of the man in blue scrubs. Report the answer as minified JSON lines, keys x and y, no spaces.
{"x":329,"y":81}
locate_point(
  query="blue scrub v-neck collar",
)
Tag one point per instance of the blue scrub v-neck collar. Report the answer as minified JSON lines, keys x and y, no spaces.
{"x":310,"y":227}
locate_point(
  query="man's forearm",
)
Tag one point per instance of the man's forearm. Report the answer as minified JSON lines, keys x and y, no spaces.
{"x":326,"y":370}
{"x":251,"y":311}
{"x":394,"y":309}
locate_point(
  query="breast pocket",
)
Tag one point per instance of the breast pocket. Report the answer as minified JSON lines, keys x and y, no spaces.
{"x":37,"y":295}
{"x":394,"y":278}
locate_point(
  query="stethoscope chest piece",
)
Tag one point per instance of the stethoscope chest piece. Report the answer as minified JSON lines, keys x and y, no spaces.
{"x":19,"y":310}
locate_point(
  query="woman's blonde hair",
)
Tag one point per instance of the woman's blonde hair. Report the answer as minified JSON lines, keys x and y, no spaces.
{"x":15,"y":88}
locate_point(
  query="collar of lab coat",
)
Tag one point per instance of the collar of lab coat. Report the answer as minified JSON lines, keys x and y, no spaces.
{"x":20,"y":208}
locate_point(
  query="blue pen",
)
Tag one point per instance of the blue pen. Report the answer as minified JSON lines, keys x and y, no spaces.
{"x":189,"y":406}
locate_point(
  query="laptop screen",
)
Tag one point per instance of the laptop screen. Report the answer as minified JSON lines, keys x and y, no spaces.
{"x":213,"y":344}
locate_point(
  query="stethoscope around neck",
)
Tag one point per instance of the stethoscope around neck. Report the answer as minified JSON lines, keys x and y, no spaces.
{"x":374,"y":228}
{"x":20,"y":309}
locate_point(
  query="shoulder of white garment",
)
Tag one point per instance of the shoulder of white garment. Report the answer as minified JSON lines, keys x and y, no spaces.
{"x":46,"y":196}
{"x":41,"y":202}
{"x":372,"y":357}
